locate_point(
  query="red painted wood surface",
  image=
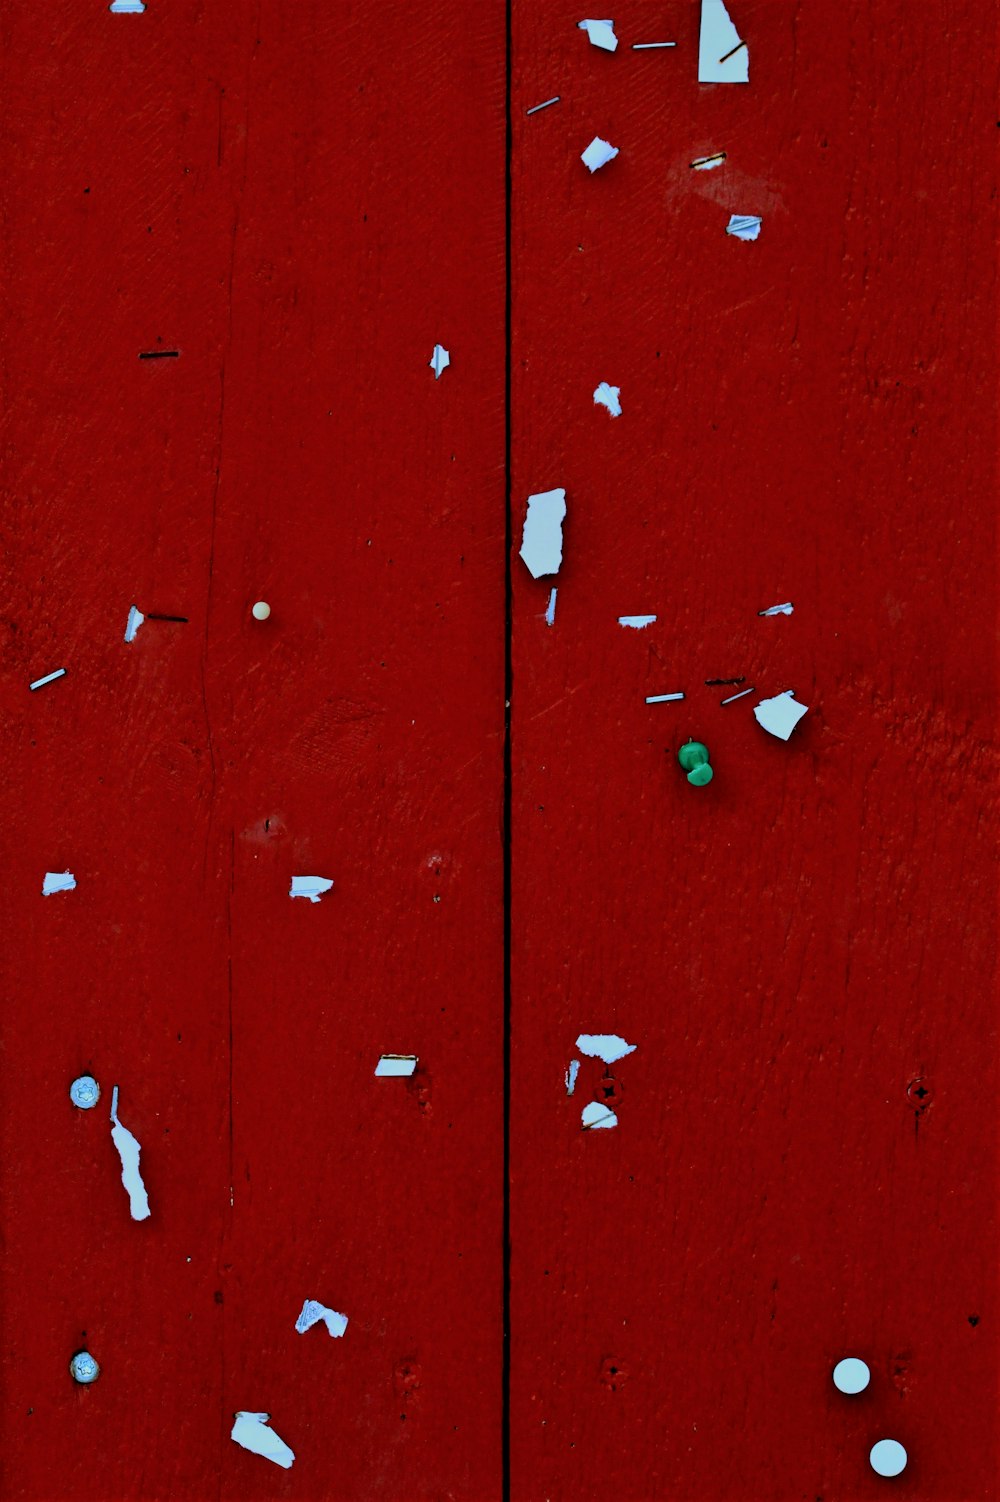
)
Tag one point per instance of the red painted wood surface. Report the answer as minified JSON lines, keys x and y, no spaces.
{"x":302,"y":199}
{"x":805,"y":418}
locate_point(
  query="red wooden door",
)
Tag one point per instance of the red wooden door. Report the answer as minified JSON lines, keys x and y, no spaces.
{"x":301,"y":201}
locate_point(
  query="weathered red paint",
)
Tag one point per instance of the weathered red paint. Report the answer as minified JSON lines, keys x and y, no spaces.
{"x":302,"y":199}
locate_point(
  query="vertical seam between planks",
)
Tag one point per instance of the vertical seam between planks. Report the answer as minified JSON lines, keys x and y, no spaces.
{"x":507,"y":781}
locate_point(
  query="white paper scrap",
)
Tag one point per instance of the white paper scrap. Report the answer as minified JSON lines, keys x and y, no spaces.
{"x":609,"y":396}
{"x":49,"y":678}
{"x":722,"y":53}
{"x":128,"y":1151}
{"x":785,"y":609}
{"x":637,"y":622}
{"x":392,"y":1064}
{"x":57,"y":881}
{"x":601,"y":34}
{"x":780,"y":715}
{"x":550,"y":609}
{"x":707,"y":163}
{"x":252,"y":1432}
{"x":541,"y":542}
{"x":571,"y":1074}
{"x":596,"y":1116}
{"x":744,"y":226}
{"x":606,"y":1046}
{"x":313,"y":1312}
{"x":135,"y":620}
{"x":126,"y":7}
{"x":439,"y":360}
{"x":597,"y":154}
{"x":309,"y":886}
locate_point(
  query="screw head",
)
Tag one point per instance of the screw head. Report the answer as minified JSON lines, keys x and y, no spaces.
{"x":83,"y":1368}
{"x":261,"y":610}
{"x":85,"y":1092}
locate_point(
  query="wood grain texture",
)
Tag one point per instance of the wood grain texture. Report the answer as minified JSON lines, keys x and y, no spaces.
{"x":805,"y":418}
{"x":302,"y":199}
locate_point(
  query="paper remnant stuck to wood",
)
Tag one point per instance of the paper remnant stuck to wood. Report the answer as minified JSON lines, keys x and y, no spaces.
{"x":126,"y":7}
{"x":744,"y":226}
{"x":440,"y":360}
{"x":135,"y":620}
{"x":251,"y":1430}
{"x":596,"y":1115}
{"x":128,"y":1151}
{"x":597,"y":154}
{"x":606,"y":1046}
{"x":610,"y":397}
{"x":636,"y":622}
{"x":571,"y":1074}
{"x":780,"y":715}
{"x":541,"y":542}
{"x":785,"y":609}
{"x":707,"y":163}
{"x":57,"y":881}
{"x":313,"y":1312}
{"x":722,"y":54}
{"x":601,"y":34}
{"x":550,"y":609}
{"x":393,"y":1064}
{"x":312,"y":887}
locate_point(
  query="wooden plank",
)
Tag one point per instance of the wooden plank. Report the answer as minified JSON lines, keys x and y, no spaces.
{"x":301,"y":200}
{"x":793,"y":945}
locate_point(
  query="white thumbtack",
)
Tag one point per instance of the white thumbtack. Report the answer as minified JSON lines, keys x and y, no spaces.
{"x":261,"y":610}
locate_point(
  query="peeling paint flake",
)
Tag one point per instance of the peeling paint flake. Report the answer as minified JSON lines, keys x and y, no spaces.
{"x":57,"y":881}
{"x":128,"y":1150}
{"x":391,"y":1065}
{"x":785,"y":609}
{"x":311,"y":887}
{"x":601,"y":34}
{"x":780,"y":715}
{"x":598,"y":154}
{"x":571,"y":1074}
{"x":439,"y":360}
{"x":723,"y":56}
{"x":314,"y":1313}
{"x":541,"y":542}
{"x":607,"y":1046}
{"x":135,"y":620}
{"x":636,"y":622}
{"x":251,"y":1430}
{"x":744,"y":226}
{"x":550,"y":609}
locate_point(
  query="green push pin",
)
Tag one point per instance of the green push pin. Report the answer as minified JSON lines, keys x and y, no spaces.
{"x":694,"y":759}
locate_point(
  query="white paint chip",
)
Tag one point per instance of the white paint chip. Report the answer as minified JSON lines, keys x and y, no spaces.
{"x":251,"y":1430}
{"x":311,"y":887}
{"x":49,"y":678}
{"x":57,"y":881}
{"x":135,"y":620}
{"x":636,"y":622}
{"x":708,"y":163}
{"x":744,"y":226}
{"x":887,"y":1457}
{"x":598,"y":154}
{"x":571,"y":1074}
{"x":601,"y":34}
{"x":596,"y":1116}
{"x":780,"y":715}
{"x":550,"y":609}
{"x":785,"y":609}
{"x":439,"y":360}
{"x":610,"y":397}
{"x":851,"y":1375}
{"x":541,"y":542}
{"x":607,"y":1046}
{"x":128,"y":1151}
{"x":722,"y":54}
{"x":313,"y":1312}
{"x":391,"y":1065}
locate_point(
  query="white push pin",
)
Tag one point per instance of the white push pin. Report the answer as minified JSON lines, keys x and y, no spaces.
{"x":261,"y":610}
{"x":851,"y":1375}
{"x":888,"y":1458}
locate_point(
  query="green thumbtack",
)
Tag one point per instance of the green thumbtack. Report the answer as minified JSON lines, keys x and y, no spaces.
{"x":694,"y":759}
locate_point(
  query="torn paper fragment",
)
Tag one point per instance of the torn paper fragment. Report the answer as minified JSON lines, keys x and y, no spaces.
{"x":601,"y":34}
{"x":606,"y":1046}
{"x":439,"y":360}
{"x":706,"y":163}
{"x":722,"y":53}
{"x":49,"y":678}
{"x":609,"y":396}
{"x":597,"y":154}
{"x":636,"y":622}
{"x":597,"y":1115}
{"x":744,"y":226}
{"x":126,"y":7}
{"x":313,"y":1312}
{"x":252,"y":1432}
{"x":309,"y":886}
{"x":128,"y":1151}
{"x":135,"y":620}
{"x":550,"y":609}
{"x":780,"y":715}
{"x":57,"y":881}
{"x":785,"y":609}
{"x":392,"y":1064}
{"x":541,"y":542}
{"x":571,"y":1074}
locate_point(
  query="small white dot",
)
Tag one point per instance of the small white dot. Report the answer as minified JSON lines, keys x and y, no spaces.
{"x":888,"y":1457}
{"x":851,"y":1375}
{"x":83,"y":1368}
{"x":85,"y":1092}
{"x":261,"y":610}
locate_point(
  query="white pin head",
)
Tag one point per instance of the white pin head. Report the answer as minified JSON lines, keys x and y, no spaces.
{"x":261,"y":610}
{"x":83,"y":1368}
{"x":85,"y":1092}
